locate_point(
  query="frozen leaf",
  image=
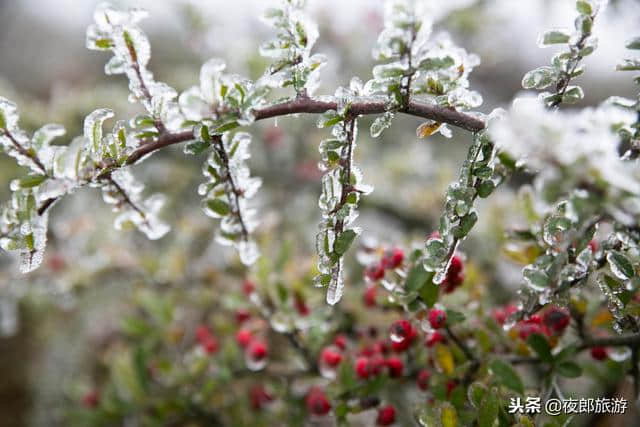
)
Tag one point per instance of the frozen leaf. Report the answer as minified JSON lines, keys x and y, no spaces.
{"x":554,"y":37}
{"x":427,"y":129}
{"x":621,"y":265}
{"x":93,"y":131}
{"x":381,"y":123}
{"x":539,"y":78}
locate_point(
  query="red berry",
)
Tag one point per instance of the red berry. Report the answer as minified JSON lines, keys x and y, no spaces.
{"x":599,"y":353}
{"x":556,"y":320}
{"x":386,"y":415}
{"x":340,"y":341}
{"x":456,"y":266}
{"x":91,"y":399}
{"x":210,"y":345}
{"x":451,"y":384}
{"x":248,"y":287}
{"x":396,"y":367}
{"x":434,"y":338}
{"x":363,"y":370}
{"x":242,"y":315}
{"x":526,"y":329}
{"x":392,"y":258}
{"x":259,"y":396}
{"x":402,"y":335}
{"x":202,"y":333}
{"x":374,"y":272}
{"x":243,"y":337}
{"x":330,"y":356}
{"x":369,"y":296}
{"x":376,"y":364}
{"x":317,"y":402}
{"x":437,"y":318}
{"x":593,"y":244}
{"x":301,"y":305}
{"x":501,"y":315}
{"x":257,"y":349}
{"x":423,"y":379}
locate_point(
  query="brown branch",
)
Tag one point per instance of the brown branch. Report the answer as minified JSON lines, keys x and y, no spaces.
{"x":126,"y":198}
{"x":31,"y":155}
{"x":366,"y":106}
{"x":234,"y":189}
{"x":362,"y":106}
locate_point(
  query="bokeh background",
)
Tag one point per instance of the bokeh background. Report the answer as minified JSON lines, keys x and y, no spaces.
{"x":54,"y":323}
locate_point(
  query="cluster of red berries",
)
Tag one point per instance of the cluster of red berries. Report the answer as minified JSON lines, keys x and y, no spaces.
{"x":392,"y":258}
{"x":206,"y":339}
{"x":455,"y":275}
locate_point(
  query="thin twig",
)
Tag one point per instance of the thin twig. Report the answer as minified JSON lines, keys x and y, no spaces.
{"x":34,"y":157}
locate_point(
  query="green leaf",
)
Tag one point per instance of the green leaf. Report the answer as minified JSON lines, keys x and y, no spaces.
{"x":196,"y":147}
{"x":104,"y":43}
{"x":488,"y":412}
{"x":476,"y":394}
{"x":628,"y":65}
{"x":454,"y":317}
{"x":219,"y":206}
{"x":3,"y":121}
{"x":634,"y":43}
{"x":566,"y":353}
{"x":31,"y":181}
{"x":506,"y":375}
{"x":584,"y":7}
{"x":225,"y":127}
{"x":572,"y":95}
{"x":466,"y":224}
{"x":486,"y":188}
{"x":541,"y":346}
{"x":420,"y":280}
{"x":343,"y":242}
{"x":569,"y":369}
{"x":539,"y":78}
{"x":621,"y":265}
{"x":554,"y":37}
{"x":436,"y":63}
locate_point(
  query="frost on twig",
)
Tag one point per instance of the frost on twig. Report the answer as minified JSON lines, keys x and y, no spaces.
{"x":228,"y":188}
{"x":296,"y":35}
{"x":565,"y":64}
{"x":118,"y":32}
{"x":341,"y":190}
{"x":415,"y":63}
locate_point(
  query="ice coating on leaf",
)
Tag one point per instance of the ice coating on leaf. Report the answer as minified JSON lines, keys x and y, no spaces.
{"x":459,"y":217}
{"x":342,"y":187}
{"x":335,"y":289}
{"x":23,"y":230}
{"x":118,"y":31}
{"x":415,"y":63}
{"x":534,"y":135}
{"x":15,"y":142}
{"x":228,"y":187}
{"x":291,"y":49}
{"x":224,"y":99}
{"x":124,"y":192}
{"x":577,"y":44}
{"x":93,"y":131}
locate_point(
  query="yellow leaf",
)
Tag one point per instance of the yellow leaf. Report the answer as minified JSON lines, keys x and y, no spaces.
{"x":521,"y":254}
{"x":427,"y":129}
{"x":448,"y":415}
{"x":444,"y":359}
{"x":604,"y":317}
